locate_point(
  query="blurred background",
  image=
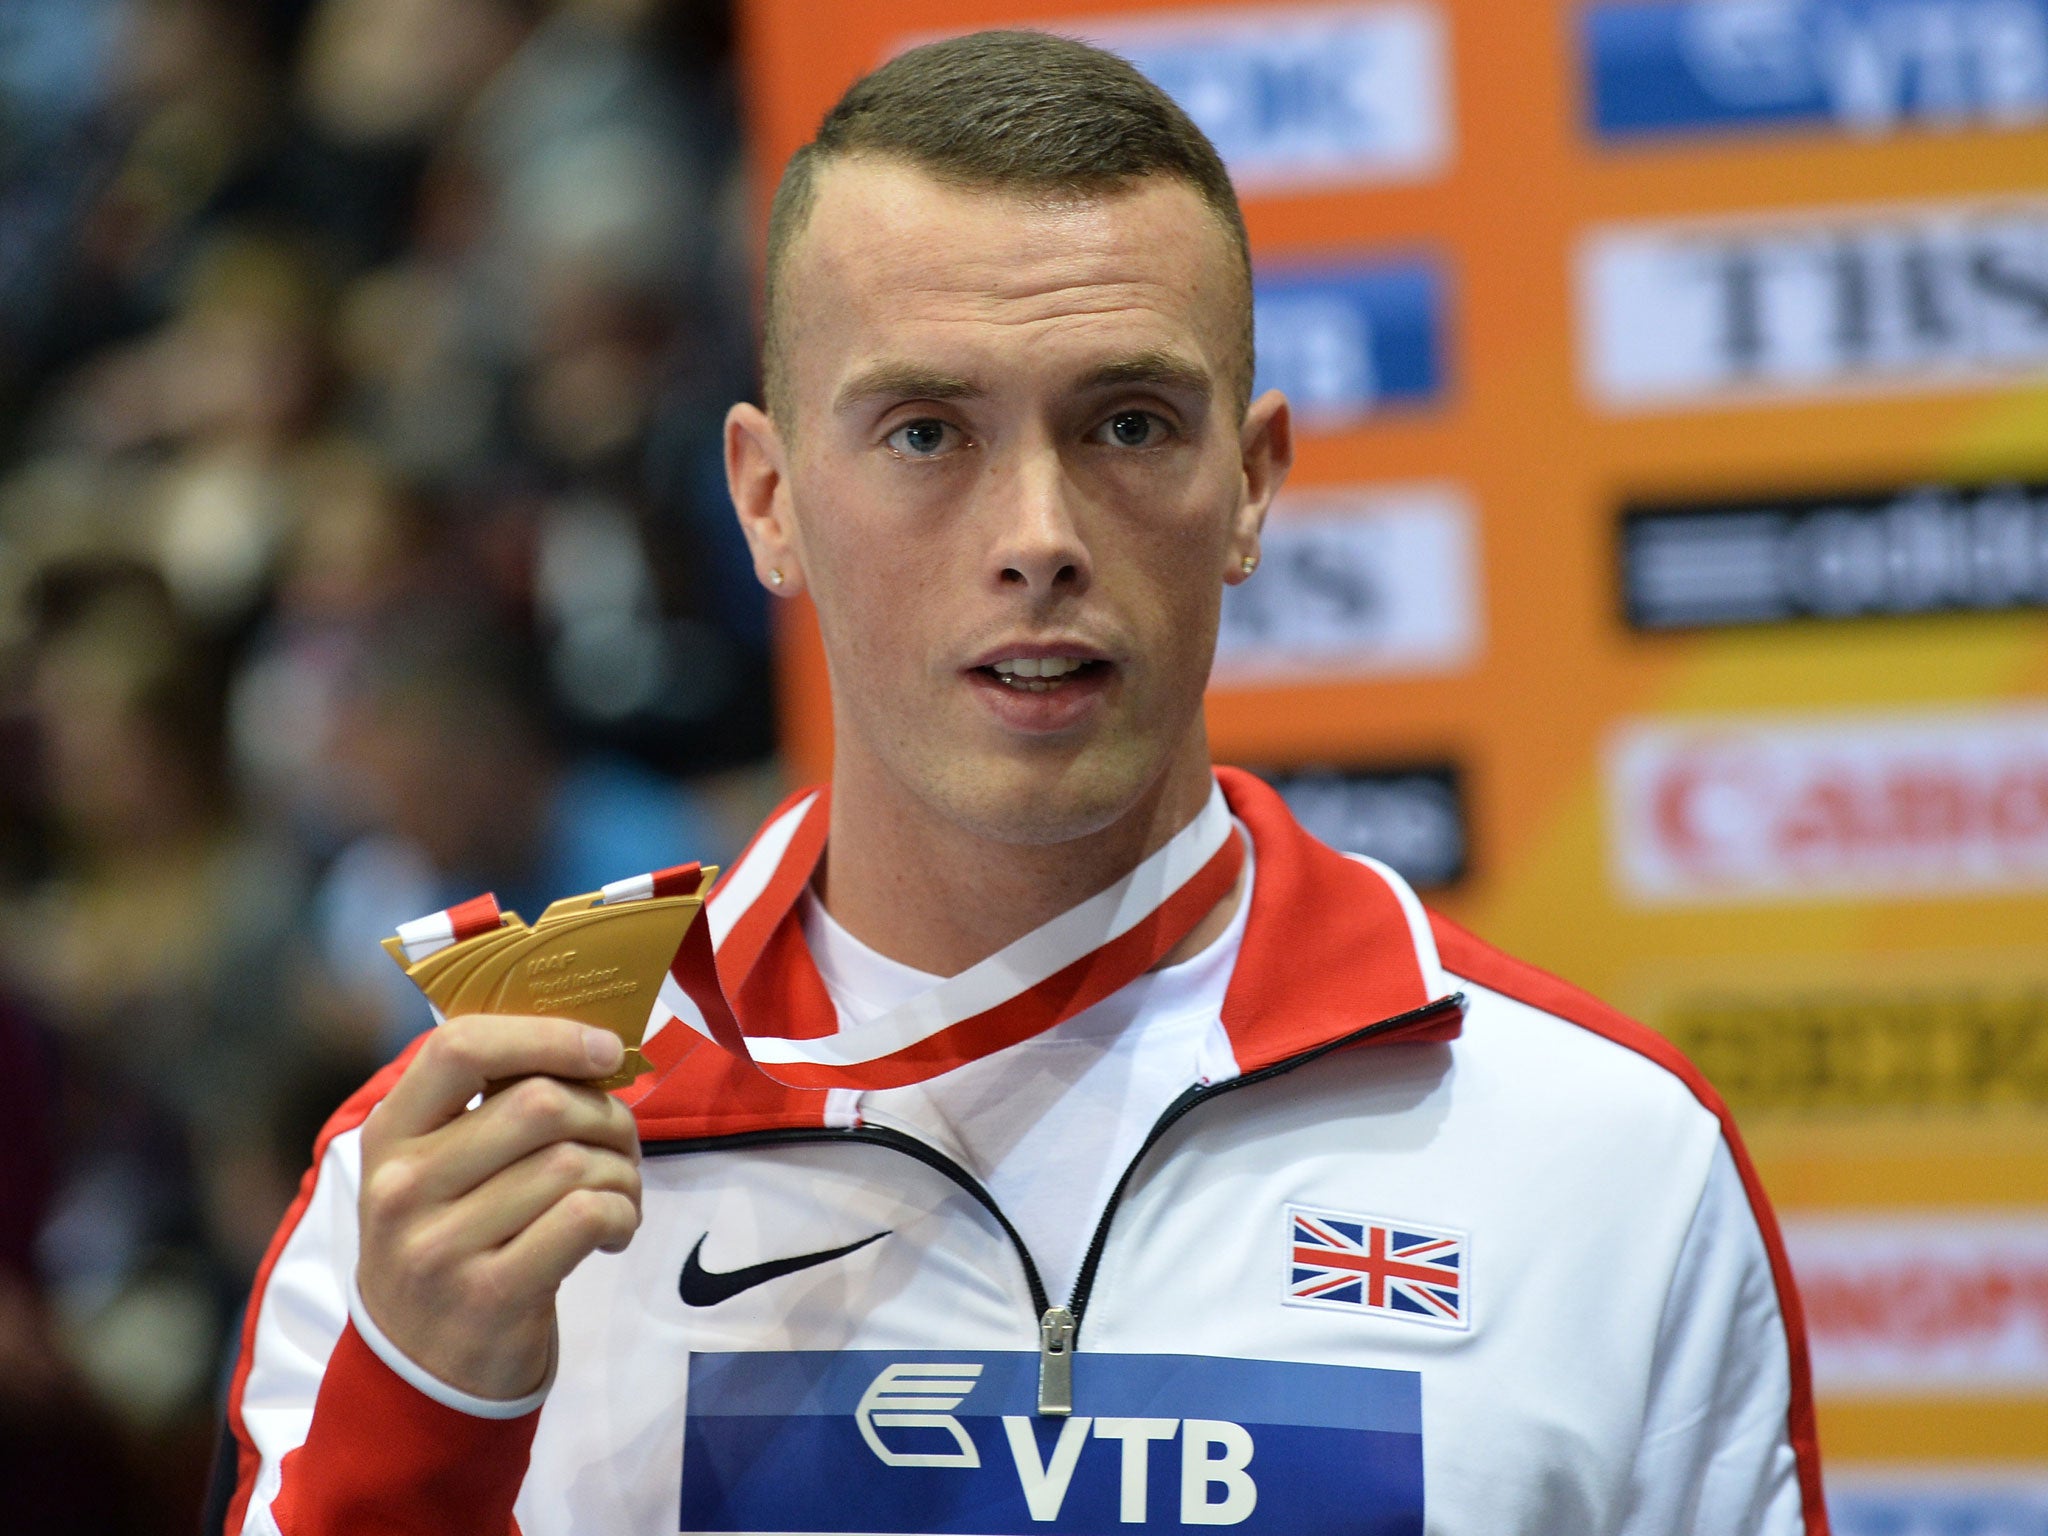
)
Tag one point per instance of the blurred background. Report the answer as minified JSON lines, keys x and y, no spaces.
{"x":363,"y":545}
{"x":1663,"y":589}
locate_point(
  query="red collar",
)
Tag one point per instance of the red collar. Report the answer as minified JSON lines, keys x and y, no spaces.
{"x":1333,"y":945}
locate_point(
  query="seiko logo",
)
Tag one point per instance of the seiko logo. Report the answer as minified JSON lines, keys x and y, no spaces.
{"x":1318,"y":96}
{"x":1927,"y":1040}
{"x":1926,"y":549}
{"x":1346,"y":341}
{"x":1358,"y":581}
{"x":1759,"y":809}
{"x":1926,"y":296}
{"x":1866,"y":66}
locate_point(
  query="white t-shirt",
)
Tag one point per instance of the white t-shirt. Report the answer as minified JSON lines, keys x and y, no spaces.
{"x":1048,"y":1124}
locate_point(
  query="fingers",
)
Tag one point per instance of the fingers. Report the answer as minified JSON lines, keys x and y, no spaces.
{"x":464,"y":1055}
{"x":531,"y":1114}
{"x":580,"y":1223}
{"x":470,"y":1221}
{"x":496,"y":1211}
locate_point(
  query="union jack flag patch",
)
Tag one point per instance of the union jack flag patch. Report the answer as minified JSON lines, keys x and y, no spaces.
{"x":1375,"y":1264}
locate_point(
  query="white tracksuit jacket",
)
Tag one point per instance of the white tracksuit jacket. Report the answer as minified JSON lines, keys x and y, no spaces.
{"x":1460,"y":1251}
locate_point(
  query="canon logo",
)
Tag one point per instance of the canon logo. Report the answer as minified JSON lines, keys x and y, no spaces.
{"x":1711,"y":805}
{"x":1866,"y":806}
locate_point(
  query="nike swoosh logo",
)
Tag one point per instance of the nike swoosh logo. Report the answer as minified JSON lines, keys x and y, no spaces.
{"x":701,"y":1287}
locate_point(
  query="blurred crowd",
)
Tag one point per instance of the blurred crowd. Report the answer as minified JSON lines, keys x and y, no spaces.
{"x":363,"y":546}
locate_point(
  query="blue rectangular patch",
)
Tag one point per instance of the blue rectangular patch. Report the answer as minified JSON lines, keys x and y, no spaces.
{"x":1863,"y":1509}
{"x":1322,"y":96}
{"x":1348,"y":340}
{"x":949,"y":1443}
{"x":1657,"y":68}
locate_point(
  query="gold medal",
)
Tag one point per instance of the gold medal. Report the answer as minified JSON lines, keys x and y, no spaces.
{"x":592,"y":959}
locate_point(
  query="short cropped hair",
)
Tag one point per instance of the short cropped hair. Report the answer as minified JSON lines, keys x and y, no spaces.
{"x":1006,"y":111}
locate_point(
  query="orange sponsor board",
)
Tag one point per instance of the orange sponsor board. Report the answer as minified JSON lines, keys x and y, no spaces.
{"x":1664,"y":577}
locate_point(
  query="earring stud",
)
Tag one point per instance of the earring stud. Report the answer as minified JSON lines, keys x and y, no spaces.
{"x":775,"y":575}
{"x":1250,"y":564}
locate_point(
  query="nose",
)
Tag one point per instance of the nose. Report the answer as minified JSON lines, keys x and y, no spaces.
{"x":1038,"y":547}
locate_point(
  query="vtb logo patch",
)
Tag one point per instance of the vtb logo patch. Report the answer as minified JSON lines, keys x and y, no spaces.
{"x":917,"y":1396}
{"x":950,"y":1443}
{"x":1376,"y":1264}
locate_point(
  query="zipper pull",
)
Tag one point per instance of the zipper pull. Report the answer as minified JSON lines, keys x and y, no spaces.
{"x":1056,"y":1362}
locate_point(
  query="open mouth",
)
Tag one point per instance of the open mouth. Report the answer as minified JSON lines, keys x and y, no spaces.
{"x":1041,"y":674}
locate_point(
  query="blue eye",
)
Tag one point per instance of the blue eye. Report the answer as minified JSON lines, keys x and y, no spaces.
{"x":1133,"y":429}
{"x":919,"y":439}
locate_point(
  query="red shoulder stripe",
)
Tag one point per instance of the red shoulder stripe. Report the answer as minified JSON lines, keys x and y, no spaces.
{"x":1465,"y":955}
{"x":354,"y":1110}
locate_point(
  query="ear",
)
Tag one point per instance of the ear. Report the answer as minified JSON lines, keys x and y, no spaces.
{"x":757,"y":475}
{"x":1266,"y":448}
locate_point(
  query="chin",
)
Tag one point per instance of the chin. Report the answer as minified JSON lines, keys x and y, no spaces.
{"x":1042,"y":802}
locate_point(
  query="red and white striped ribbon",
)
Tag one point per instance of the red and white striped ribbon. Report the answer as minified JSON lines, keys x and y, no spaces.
{"x":676,"y":880}
{"x":745,"y":977}
{"x":428,"y":935}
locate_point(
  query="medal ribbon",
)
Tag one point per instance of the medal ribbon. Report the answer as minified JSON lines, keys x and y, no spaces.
{"x":429,"y":935}
{"x":745,"y":978}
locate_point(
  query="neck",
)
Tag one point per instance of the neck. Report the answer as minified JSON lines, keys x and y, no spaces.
{"x":938,"y":897}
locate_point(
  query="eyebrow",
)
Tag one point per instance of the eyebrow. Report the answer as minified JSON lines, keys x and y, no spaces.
{"x":914,"y":381}
{"x":902,"y":381}
{"x":1161,"y":370}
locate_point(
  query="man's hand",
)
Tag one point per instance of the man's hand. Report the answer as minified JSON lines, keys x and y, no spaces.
{"x":471,"y":1219}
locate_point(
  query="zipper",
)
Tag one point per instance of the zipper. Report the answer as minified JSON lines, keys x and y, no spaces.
{"x":1058,"y":1327}
{"x":1203,"y":1093}
{"x":1056,"y":1363}
{"x":1055,"y":1324}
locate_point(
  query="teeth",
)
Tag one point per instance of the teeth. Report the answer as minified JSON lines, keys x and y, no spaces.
{"x":1038,"y":666}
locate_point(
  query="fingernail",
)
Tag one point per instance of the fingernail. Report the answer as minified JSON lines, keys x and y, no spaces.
{"x":602,"y":1049}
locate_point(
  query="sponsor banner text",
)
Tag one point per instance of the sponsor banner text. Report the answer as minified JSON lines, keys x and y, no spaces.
{"x":1362,"y":581}
{"x":1739,"y":809}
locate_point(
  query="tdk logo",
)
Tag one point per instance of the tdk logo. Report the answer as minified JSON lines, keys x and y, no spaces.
{"x":920,"y":1443}
{"x":1926,"y":295}
{"x":1349,"y":340}
{"x":1657,"y":68}
{"x":1326,"y":96}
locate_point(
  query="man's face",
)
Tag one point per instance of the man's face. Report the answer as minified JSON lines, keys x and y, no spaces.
{"x":1015,"y":484}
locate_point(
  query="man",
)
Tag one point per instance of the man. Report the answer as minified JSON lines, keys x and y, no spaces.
{"x":1084,"y":1145}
